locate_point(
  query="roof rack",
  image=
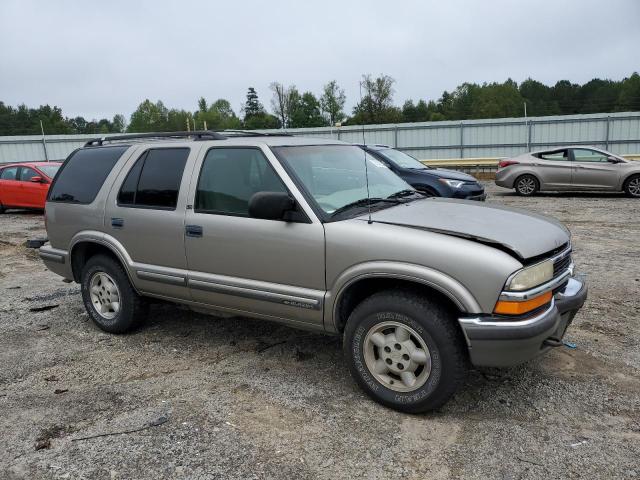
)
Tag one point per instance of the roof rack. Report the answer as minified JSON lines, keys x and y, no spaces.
{"x":196,"y":134}
{"x":253,"y":133}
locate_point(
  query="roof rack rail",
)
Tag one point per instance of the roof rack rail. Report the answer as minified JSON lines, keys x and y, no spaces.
{"x":253,"y":133}
{"x":196,"y":134}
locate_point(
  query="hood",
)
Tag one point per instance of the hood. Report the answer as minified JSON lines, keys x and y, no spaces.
{"x":524,"y":234}
{"x":450,"y":174}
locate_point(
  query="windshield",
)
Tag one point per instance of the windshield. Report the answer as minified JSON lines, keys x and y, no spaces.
{"x":334,"y":175}
{"x":402,"y":159}
{"x":49,"y":170}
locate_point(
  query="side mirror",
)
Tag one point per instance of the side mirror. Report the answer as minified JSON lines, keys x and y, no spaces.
{"x":270,"y":205}
{"x":613,"y":160}
{"x":37,"y":179}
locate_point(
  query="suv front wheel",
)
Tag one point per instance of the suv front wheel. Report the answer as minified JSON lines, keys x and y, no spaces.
{"x":110,"y":300}
{"x":404,"y":351}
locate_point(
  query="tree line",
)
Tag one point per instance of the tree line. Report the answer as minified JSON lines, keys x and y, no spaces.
{"x":291,"y":108}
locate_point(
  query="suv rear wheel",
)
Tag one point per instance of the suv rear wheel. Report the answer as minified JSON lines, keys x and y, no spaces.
{"x":527,"y":185}
{"x":108,"y":296}
{"x":632,"y":186}
{"x":405,"y":351}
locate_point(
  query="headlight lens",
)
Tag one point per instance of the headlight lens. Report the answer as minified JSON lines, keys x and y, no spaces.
{"x":532,"y":276}
{"x":452,"y":183}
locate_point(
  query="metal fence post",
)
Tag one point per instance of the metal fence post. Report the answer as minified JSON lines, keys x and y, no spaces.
{"x":395,"y":137}
{"x":338,"y":133}
{"x":461,"y":140}
{"x":606,"y":140}
{"x":529,"y":135}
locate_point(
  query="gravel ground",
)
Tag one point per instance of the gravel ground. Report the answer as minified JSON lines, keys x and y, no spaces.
{"x":190,"y":396}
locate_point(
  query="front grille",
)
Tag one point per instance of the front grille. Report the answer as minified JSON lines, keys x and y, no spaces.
{"x":561,"y":264}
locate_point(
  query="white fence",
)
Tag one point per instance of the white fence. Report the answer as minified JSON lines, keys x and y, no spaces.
{"x":617,"y":132}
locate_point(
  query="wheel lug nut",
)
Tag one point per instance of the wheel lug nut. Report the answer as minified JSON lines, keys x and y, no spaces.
{"x":398,"y":346}
{"x":389,"y":362}
{"x":400,"y":366}
{"x":387,"y":349}
{"x":405,"y":356}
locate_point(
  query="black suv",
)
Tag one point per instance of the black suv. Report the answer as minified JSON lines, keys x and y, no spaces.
{"x":437,"y":182}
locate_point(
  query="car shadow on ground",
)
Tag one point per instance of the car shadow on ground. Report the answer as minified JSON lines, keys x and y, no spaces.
{"x":23,"y":211}
{"x":608,"y":195}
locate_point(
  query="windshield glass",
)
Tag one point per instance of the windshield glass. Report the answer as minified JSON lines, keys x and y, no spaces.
{"x":49,"y":170}
{"x":402,"y":159}
{"x":334,"y":175}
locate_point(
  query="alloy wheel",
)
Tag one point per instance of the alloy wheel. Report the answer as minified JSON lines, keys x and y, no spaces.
{"x":634,"y":187}
{"x":105,"y":296}
{"x":397,"y":356}
{"x":527,"y":186}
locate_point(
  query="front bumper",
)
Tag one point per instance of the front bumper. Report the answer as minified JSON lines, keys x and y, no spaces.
{"x":494,"y":342}
{"x":469,"y":193}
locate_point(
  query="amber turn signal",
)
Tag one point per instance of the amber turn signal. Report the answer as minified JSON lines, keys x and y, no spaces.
{"x":505,"y":307}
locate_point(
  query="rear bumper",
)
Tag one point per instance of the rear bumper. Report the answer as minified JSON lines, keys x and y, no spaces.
{"x":494,"y":342}
{"x":504,"y":178}
{"x":56,"y":260}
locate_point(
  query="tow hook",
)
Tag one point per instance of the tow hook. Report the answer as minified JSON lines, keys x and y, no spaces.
{"x":553,"y":342}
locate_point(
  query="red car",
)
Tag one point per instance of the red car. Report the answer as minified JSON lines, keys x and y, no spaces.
{"x":25,"y":185}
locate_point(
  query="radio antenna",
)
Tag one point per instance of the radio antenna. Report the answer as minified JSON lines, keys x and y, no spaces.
{"x":366,"y":169}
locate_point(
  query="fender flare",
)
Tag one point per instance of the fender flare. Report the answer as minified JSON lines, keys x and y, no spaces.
{"x":105,"y":240}
{"x":440,"y":281}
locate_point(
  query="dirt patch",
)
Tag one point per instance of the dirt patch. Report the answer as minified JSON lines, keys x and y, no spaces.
{"x":250,"y":399}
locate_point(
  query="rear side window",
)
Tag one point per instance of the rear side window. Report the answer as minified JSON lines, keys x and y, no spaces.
{"x":82,"y":174}
{"x":557,"y":156}
{"x":154,"y":180}
{"x":9,"y":173}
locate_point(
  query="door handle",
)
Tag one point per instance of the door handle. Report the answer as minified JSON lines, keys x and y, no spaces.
{"x":193,"y":230}
{"x":117,"y":222}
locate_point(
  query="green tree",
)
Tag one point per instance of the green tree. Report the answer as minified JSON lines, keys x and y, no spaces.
{"x":149,"y":117}
{"x":305,"y":111}
{"x":629,"y":97}
{"x":217,"y":116}
{"x":119,"y":124}
{"x":332,"y":102}
{"x":376,"y":105}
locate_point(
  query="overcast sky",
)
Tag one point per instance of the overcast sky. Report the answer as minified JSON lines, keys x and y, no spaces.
{"x":97,"y":59}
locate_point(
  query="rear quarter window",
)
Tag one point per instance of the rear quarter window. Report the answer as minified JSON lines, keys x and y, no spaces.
{"x":82,"y":175}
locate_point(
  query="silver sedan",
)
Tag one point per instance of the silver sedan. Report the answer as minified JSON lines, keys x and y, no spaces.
{"x":569,"y":168}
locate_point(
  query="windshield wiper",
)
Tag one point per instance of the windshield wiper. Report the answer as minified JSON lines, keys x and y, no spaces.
{"x":364,"y":202}
{"x":406,"y":193}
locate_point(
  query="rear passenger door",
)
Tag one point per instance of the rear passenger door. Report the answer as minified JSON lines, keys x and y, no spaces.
{"x":145,"y":213}
{"x":555,"y":169}
{"x":272,"y":268}
{"x":9,"y":186}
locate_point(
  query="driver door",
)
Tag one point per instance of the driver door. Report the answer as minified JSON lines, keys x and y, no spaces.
{"x":269,"y":268}
{"x":592,"y":169}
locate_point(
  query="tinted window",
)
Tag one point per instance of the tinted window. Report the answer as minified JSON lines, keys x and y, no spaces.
{"x":230,"y":176}
{"x":402,"y":159}
{"x":82,"y":175}
{"x":9,"y":173}
{"x":154,"y":180}
{"x":26,"y":174}
{"x":584,"y":155}
{"x":557,"y":156}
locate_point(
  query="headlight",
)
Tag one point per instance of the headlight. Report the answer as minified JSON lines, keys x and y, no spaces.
{"x":533,"y":276}
{"x":452,"y":183}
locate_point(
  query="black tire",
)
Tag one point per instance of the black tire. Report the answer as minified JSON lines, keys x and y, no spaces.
{"x":436,"y":327}
{"x":1,"y":209}
{"x":132,"y":309}
{"x":526,"y":185}
{"x":632,"y":186}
